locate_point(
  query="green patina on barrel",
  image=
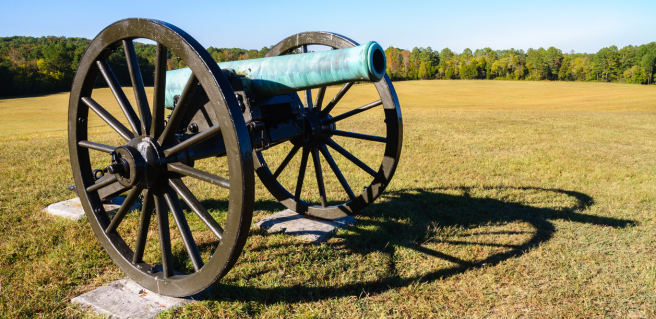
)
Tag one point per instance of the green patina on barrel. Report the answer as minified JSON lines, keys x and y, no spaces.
{"x":294,"y":72}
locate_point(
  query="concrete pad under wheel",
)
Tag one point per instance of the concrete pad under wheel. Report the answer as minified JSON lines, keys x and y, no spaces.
{"x":72,"y":208}
{"x":307,"y":228}
{"x":126,"y":299}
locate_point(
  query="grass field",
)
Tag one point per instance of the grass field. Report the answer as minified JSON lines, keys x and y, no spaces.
{"x":512,"y":199}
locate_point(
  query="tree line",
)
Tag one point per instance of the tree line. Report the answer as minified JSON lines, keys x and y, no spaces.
{"x":631,"y":64}
{"x":30,"y":65}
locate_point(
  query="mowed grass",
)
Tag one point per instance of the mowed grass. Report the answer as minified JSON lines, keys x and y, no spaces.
{"x":512,"y":199}
{"x":48,"y":113}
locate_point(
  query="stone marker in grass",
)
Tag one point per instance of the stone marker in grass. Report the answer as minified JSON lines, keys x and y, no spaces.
{"x":72,"y":208}
{"x":126,"y":299}
{"x":307,"y":228}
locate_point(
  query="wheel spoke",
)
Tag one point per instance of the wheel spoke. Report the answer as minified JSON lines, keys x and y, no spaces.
{"x":308,"y":99}
{"x":351,"y":113}
{"x":159,"y":91}
{"x":308,"y":92}
{"x":319,"y":99}
{"x":301,"y":173}
{"x":124,"y":210}
{"x":144,"y":225}
{"x":96,"y":146}
{"x":138,"y":86}
{"x":319,"y":173}
{"x":359,"y":136}
{"x":350,"y":157}
{"x":338,"y":96}
{"x":108,"y":118}
{"x":190,"y":245}
{"x":164,"y":235}
{"x":286,"y":161}
{"x":196,"y":206}
{"x":122,"y":100}
{"x":179,"y":111}
{"x":194,"y":140}
{"x":102,"y":184}
{"x":335,"y":168}
{"x":198,"y":174}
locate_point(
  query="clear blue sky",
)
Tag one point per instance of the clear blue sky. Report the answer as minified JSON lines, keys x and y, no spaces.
{"x":582,"y":26}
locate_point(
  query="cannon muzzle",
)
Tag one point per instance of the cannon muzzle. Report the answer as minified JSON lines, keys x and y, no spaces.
{"x":290,"y":73}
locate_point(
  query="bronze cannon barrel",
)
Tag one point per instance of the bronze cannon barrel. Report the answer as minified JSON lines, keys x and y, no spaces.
{"x":294,"y":72}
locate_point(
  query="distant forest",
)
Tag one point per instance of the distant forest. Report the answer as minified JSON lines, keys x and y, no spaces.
{"x":631,"y":64}
{"x":30,"y":65}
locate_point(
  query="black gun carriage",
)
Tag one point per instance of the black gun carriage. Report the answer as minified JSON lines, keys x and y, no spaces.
{"x":227,"y":110}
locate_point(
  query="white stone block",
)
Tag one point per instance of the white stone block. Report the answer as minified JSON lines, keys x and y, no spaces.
{"x":126,"y":299}
{"x":72,"y":208}
{"x":310,"y":229}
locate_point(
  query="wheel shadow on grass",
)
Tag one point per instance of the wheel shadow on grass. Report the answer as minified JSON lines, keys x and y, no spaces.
{"x":460,"y":229}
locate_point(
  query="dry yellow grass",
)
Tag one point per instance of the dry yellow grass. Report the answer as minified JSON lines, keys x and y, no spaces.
{"x":512,"y":199}
{"x":527,"y":96}
{"x":49,"y":113}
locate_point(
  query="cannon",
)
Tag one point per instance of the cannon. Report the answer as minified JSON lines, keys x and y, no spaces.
{"x":248,"y":115}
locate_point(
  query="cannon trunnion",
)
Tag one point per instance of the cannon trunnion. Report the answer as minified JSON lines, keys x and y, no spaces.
{"x":249,"y":116}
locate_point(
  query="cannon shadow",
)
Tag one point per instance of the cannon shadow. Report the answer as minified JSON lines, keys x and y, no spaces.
{"x":404,"y":219}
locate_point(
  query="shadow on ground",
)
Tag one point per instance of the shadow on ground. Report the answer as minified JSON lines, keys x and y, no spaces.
{"x":405,"y":218}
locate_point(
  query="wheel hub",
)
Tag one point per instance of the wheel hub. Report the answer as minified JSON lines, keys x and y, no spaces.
{"x":138,"y":163}
{"x":314,"y":130}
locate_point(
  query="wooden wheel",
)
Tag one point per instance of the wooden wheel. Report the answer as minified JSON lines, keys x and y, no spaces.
{"x":331,"y":208}
{"x":154,"y":163}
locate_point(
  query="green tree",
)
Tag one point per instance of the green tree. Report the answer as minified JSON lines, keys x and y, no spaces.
{"x":449,"y":73}
{"x":648,"y":61}
{"x":537,"y":64}
{"x":606,"y":62}
{"x":565,"y":69}
{"x":553,"y":60}
{"x":422,"y":73}
{"x":626,"y":58}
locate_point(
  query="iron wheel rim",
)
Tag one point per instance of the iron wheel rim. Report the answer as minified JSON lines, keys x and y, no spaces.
{"x":234,"y":132}
{"x":391,"y":155}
